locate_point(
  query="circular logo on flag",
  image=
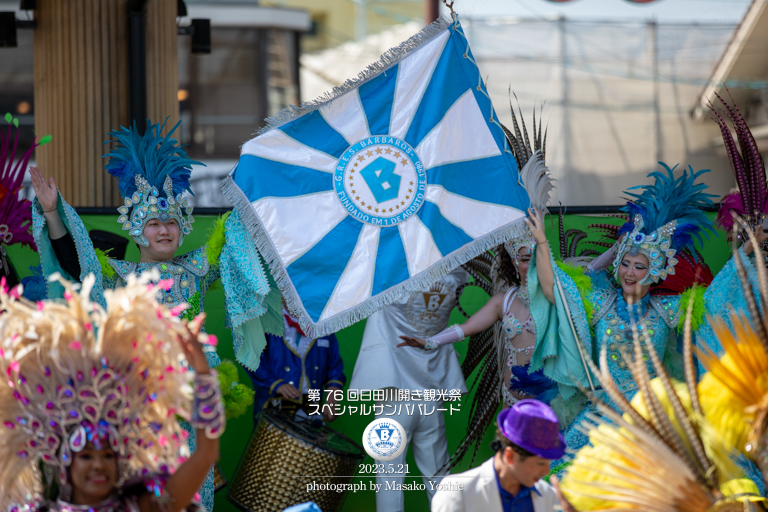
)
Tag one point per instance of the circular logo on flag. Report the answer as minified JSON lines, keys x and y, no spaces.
{"x":380,"y":180}
{"x":384,"y":439}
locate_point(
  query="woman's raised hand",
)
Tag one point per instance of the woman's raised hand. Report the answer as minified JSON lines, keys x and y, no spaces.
{"x":193,"y":349}
{"x":409,"y":341}
{"x":536,"y":225}
{"x":46,"y":191}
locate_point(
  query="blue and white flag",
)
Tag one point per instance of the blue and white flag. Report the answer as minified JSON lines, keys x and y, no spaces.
{"x":382,"y":186}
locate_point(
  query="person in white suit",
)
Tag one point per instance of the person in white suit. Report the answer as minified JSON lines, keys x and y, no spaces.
{"x":381,"y":365}
{"x":527,"y":440}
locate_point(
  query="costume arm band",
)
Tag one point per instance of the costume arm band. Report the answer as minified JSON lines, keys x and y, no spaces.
{"x":450,"y":335}
{"x":208,"y":408}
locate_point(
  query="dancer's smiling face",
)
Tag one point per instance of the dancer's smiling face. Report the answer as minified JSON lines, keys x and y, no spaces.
{"x":163,"y":238}
{"x":632,"y":270}
{"x":522,"y":262}
{"x":93,"y":475}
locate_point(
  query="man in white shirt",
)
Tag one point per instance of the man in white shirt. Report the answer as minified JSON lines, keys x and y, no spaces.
{"x":381,"y":365}
{"x":527,"y":440}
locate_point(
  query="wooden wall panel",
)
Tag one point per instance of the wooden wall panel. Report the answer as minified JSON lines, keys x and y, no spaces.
{"x":82,"y":87}
{"x":162,"y":63}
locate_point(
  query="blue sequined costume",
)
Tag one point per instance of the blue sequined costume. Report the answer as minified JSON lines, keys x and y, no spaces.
{"x":609,"y":325}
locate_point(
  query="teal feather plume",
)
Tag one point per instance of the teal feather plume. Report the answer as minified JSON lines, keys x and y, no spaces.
{"x":669,"y":199}
{"x":152,"y":156}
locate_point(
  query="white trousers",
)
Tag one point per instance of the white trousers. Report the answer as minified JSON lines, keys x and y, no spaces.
{"x":426,"y":437}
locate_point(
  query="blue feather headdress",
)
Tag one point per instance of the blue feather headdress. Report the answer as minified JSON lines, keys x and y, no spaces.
{"x":666,"y":218}
{"x":153,"y":173}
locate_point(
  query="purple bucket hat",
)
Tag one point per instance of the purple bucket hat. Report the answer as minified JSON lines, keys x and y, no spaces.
{"x":533,"y":426}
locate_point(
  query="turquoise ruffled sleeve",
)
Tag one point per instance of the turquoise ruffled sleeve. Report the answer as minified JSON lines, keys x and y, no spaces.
{"x":253,"y":301}
{"x":557,"y":347}
{"x":86,"y":255}
{"x":725,"y":294}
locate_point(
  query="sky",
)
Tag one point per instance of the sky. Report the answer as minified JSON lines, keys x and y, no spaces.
{"x":702,"y":11}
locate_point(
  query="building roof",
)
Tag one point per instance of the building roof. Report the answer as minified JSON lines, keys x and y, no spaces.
{"x":743,"y":67}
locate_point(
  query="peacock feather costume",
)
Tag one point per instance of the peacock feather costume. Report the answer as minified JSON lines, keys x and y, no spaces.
{"x":734,"y":391}
{"x":666,"y":216}
{"x":657,"y":453}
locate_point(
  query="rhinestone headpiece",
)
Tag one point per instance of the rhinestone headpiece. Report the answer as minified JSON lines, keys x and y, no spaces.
{"x":152,"y":172}
{"x":146,"y":204}
{"x":75,"y":373}
{"x":656,"y":246}
{"x":514,"y":245}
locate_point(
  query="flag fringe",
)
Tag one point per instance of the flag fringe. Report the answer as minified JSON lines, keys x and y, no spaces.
{"x":366,"y":308}
{"x":386,"y":61}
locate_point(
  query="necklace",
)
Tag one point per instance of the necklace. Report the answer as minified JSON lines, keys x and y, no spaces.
{"x":634,"y":313}
{"x":522,"y":294}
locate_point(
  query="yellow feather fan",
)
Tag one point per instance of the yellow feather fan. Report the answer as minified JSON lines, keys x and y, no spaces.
{"x":670,"y":452}
{"x":628,"y":468}
{"x":735,"y":385}
{"x":660,"y":456}
{"x":734,"y":392}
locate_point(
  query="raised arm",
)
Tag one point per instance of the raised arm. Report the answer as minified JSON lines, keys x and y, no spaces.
{"x":603,"y":261}
{"x":543,"y":262}
{"x":48,"y":196}
{"x":184,"y":484}
{"x":488,"y":315}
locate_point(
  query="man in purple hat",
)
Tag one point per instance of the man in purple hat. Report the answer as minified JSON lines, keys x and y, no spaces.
{"x":527,"y":440}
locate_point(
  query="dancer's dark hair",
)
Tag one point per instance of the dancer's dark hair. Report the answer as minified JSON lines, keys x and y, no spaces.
{"x":507,"y":269}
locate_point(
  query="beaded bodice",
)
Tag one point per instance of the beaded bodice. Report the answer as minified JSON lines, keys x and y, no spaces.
{"x":510,"y":323}
{"x":512,"y":327}
{"x":189,"y":273}
{"x":655,"y":318}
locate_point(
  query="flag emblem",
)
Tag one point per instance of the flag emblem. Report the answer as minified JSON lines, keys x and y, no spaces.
{"x":380,"y":181}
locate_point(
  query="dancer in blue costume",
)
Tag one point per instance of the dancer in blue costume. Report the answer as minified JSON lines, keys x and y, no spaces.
{"x":666,"y":217}
{"x":153,"y":174}
{"x":749,"y":202}
{"x":510,"y":305}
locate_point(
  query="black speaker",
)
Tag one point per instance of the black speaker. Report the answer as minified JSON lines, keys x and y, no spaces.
{"x":8,"y":30}
{"x":201,"y":35}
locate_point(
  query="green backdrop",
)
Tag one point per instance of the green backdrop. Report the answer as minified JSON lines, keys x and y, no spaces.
{"x":235,"y":440}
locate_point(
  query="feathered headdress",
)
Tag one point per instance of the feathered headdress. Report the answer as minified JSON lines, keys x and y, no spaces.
{"x":153,"y":173}
{"x":15,"y":213}
{"x":534,"y":173}
{"x":660,"y":456}
{"x":77,"y":373}
{"x":751,"y":200}
{"x":666,"y":218}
